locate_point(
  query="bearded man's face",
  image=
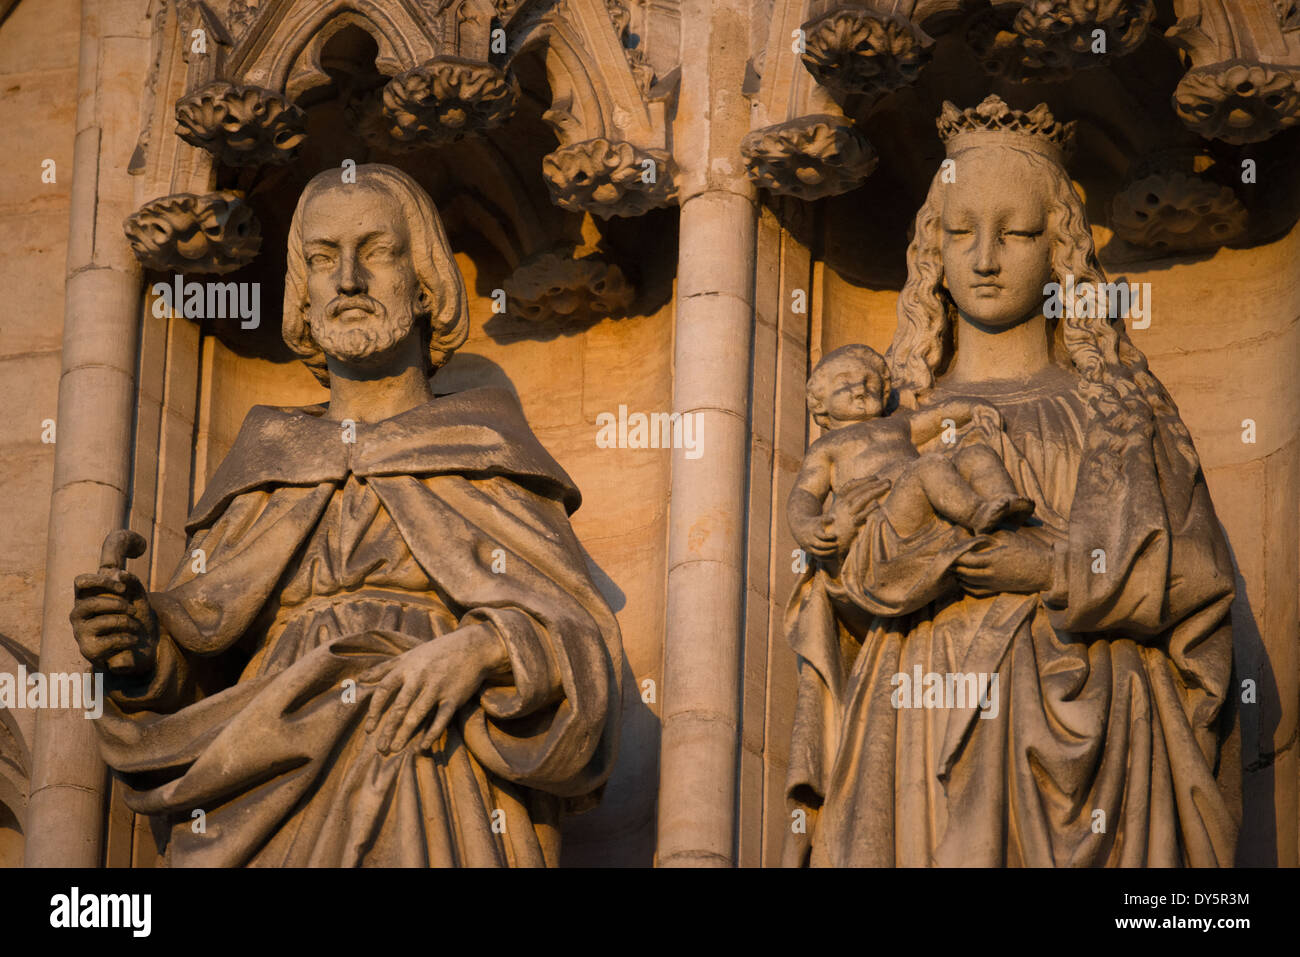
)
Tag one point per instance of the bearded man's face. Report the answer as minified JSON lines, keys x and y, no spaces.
{"x":363,"y":294}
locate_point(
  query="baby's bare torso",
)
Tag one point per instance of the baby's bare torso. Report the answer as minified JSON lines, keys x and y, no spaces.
{"x":877,"y":448}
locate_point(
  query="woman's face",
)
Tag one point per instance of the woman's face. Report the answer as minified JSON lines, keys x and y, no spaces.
{"x":996,"y":251}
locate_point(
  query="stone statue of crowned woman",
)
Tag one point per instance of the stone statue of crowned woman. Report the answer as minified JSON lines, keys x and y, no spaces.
{"x":989,"y":682}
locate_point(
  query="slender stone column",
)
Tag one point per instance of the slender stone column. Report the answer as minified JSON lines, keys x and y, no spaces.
{"x":92,"y":459}
{"x":713,"y":343}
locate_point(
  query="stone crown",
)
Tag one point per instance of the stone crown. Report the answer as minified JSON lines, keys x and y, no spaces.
{"x":995,"y":123}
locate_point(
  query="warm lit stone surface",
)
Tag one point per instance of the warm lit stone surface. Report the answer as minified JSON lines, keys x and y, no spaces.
{"x":38,"y":71}
{"x":732,"y":292}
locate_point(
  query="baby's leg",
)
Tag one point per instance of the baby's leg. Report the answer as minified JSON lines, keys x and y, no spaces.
{"x":906,"y":504}
{"x":948,"y":492}
{"x":988,"y":477}
{"x":983,"y":469}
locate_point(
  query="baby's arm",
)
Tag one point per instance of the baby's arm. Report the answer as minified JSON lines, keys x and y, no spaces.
{"x":804,"y":509}
{"x":927,"y":424}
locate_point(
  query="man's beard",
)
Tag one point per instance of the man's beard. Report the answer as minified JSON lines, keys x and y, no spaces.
{"x":375,"y":336}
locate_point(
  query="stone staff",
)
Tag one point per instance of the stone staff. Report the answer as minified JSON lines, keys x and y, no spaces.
{"x":120,"y":545}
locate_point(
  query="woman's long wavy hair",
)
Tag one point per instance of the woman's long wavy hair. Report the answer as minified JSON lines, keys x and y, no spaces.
{"x":443,"y":314}
{"x":1121,"y":393}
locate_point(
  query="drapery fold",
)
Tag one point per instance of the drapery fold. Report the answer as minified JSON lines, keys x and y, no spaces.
{"x":1104,"y":747}
{"x":314,"y":581}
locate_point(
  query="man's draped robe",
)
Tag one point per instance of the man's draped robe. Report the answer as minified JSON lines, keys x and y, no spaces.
{"x":1105,"y":745}
{"x":326,"y":559}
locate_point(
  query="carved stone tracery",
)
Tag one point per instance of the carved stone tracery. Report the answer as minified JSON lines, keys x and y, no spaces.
{"x":801,"y":143}
{"x":809,"y":157}
{"x":1177,"y":211}
{"x":609,"y":178}
{"x":240,"y":15}
{"x":1244,"y":82}
{"x":1050,"y":40}
{"x":602,"y":109}
{"x":1065,"y":31}
{"x":864,"y":50}
{"x":447,"y":98}
{"x":557,"y":285}
{"x":636,"y":58}
{"x":241,"y":125}
{"x":448,"y":80}
{"x":213,"y":233}
{"x":1288,"y":14}
{"x":1239,"y":102}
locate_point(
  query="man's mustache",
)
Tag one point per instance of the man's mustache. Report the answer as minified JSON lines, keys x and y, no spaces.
{"x":341,"y":304}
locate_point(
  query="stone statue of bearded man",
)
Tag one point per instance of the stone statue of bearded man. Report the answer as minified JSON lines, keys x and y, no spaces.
{"x":394,"y":654}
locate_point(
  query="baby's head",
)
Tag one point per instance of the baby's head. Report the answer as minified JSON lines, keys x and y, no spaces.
{"x":849,"y":385}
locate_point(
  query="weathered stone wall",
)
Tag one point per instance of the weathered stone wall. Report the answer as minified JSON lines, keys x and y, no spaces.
{"x":1225,"y":341}
{"x":38,"y":82}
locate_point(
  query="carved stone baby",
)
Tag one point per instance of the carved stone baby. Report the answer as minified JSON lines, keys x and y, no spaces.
{"x":866,"y":452}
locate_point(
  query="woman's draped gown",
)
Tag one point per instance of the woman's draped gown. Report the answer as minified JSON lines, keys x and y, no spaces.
{"x":1103,"y":745}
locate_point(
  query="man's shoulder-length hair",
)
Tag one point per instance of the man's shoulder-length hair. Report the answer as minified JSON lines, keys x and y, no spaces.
{"x":445,"y":310}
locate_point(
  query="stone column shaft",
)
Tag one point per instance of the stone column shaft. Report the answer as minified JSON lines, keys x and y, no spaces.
{"x":703,"y":644}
